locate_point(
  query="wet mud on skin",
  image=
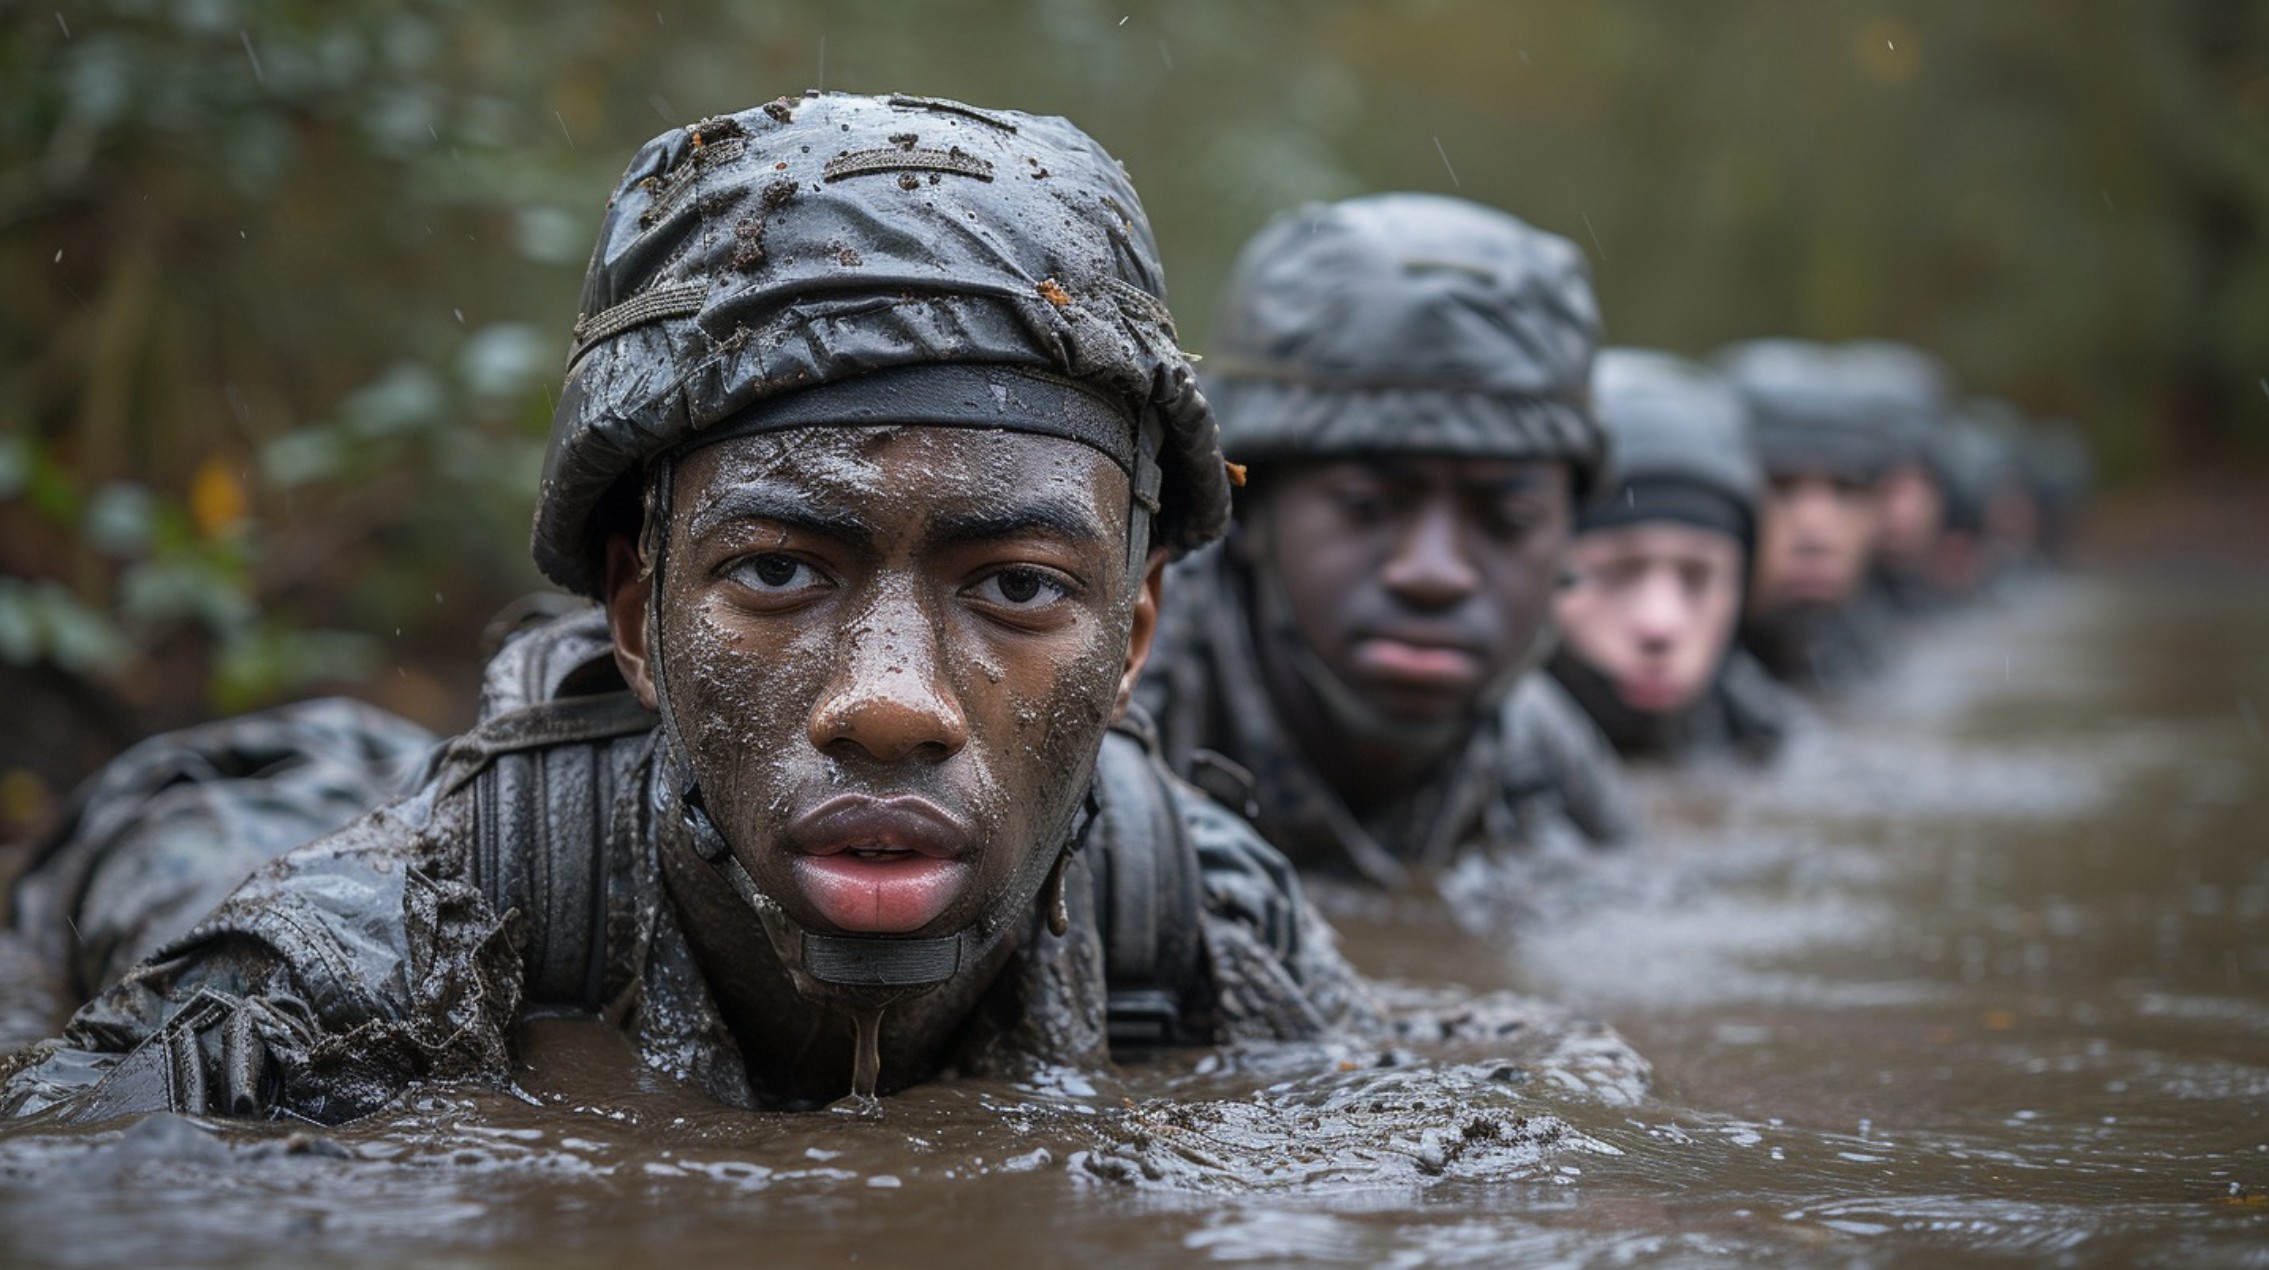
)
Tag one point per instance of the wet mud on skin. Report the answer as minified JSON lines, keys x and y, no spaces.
{"x":1982,"y":977}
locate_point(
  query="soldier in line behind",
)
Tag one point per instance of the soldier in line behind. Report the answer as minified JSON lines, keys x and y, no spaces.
{"x":1911,"y":388}
{"x":1824,"y":434}
{"x":1406,"y":378}
{"x":1659,"y":567}
{"x":874,"y":463}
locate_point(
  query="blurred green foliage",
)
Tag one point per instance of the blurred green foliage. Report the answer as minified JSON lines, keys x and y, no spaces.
{"x":289,"y":282}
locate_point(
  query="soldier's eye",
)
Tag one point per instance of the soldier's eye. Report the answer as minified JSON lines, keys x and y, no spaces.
{"x":1511,"y":519}
{"x":774,"y":572}
{"x":1021,"y":588}
{"x":1361,"y":506}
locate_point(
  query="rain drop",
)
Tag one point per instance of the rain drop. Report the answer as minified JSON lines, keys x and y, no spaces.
{"x":246,"y":36}
{"x":1446,"y":164}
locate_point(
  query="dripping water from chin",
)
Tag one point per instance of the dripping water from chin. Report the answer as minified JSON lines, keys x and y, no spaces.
{"x":866,"y":1064}
{"x":866,"y":1053}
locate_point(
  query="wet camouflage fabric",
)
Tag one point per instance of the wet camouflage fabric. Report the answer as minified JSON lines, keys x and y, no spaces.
{"x":167,"y":829}
{"x":370,"y":960}
{"x":1411,"y":324}
{"x":1743,"y":714}
{"x":1535,"y":775}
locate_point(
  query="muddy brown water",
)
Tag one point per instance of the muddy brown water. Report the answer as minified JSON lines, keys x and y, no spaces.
{"x":1980,"y":976}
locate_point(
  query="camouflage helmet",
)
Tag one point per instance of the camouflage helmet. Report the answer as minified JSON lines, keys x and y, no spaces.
{"x":1407,"y":324}
{"x":839,"y":258}
{"x":1908,"y":387}
{"x":1683,"y":445}
{"x":1817,"y":407}
{"x":1977,"y":453}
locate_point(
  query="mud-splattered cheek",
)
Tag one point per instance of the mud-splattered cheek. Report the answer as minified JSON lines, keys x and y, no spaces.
{"x":740,"y":704}
{"x":1044,"y":709}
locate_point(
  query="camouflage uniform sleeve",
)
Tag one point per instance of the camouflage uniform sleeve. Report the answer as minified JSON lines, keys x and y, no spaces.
{"x":170,"y":827}
{"x":1552,"y":741}
{"x":1275,"y":962}
{"x":332,"y":979}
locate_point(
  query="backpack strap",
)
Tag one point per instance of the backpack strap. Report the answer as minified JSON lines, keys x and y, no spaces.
{"x":547,"y":763}
{"x":1147,"y":896}
{"x":544,"y":797}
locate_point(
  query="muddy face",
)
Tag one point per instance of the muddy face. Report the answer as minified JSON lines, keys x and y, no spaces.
{"x":1418,"y":582}
{"x":891,"y":653}
{"x":1652,"y":609}
{"x":1815,"y":535}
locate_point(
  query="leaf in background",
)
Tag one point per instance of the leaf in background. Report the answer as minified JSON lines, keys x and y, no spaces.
{"x":216,"y":499}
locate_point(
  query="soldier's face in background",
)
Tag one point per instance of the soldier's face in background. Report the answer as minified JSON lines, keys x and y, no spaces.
{"x":892,"y":653}
{"x":1911,"y":512}
{"x":1418,"y":582}
{"x":1652,"y":608}
{"x":1814,"y":538}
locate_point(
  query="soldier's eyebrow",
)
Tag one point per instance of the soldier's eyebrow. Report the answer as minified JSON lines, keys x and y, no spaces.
{"x":1068,"y":519}
{"x":783,"y":504}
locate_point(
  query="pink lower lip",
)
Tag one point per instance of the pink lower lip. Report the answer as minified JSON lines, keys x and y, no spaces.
{"x":1428,"y":665}
{"x":889,"y":894}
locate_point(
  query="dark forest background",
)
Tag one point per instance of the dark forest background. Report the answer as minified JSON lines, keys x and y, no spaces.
{"x":287,"y":284}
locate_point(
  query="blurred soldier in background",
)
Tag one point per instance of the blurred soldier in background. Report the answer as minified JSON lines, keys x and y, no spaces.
{"x":1822,"y":432}
{"x":2060,"y":471}
{"x":1659,"y":566}
{"x":1992,"y":519}
{"x":1909,"y":387}
{"x":1407,"y":378}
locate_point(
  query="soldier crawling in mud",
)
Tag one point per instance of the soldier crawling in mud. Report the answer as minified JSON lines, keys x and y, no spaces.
{"x":1658,"y":569}
{"x":874,"y":444}
{"x":1405,"y":377}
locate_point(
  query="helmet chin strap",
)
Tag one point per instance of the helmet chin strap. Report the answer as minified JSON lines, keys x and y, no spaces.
{"x":1345,"y":707}
{"x":867,"y":971}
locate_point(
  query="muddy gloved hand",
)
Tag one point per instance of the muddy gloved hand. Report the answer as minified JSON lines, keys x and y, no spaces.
{"x":208,"y":1060}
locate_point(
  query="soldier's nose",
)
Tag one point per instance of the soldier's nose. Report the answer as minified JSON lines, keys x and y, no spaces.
{"x":1429,"y":569}
{"x":889,"y":697}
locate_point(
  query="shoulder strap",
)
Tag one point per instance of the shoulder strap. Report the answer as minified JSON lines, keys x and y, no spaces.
{"x":546,"y":767}
{"x":1146,"y":894}
{"x":543,"y":801}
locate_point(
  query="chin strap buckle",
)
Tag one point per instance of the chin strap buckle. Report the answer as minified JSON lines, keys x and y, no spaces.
{"x":870,"y":961}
